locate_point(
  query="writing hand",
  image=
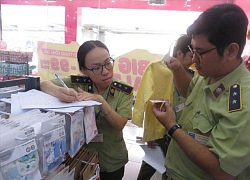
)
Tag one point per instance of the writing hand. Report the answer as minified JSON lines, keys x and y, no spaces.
{"x":67,"y":95}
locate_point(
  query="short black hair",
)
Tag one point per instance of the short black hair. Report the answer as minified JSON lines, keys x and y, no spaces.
{"x":85,"y":48}
{"x":223,"y":24}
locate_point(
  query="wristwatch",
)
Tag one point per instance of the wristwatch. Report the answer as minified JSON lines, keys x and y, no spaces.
{"x":172,"y":129}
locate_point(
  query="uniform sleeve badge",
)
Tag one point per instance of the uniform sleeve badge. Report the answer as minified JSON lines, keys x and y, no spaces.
{"x":219,"y":90}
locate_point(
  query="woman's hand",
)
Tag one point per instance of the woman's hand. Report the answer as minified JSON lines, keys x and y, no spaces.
{"x":85,"y":96}
{"x":164,"y":114}
{"x":66,"y":95}
{"x":112,"y":117}
{"x":62,"y":93}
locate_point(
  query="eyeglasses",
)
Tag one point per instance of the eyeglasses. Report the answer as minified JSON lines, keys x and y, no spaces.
{"x":199,"y":54}
{"x":99,"y":69}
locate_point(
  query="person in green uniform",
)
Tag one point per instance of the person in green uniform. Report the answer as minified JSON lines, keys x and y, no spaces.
{"x":184,"y":55}
{"x":112,"y":115}
{"x":212,"y":137}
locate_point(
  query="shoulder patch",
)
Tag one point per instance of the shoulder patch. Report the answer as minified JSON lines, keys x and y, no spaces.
{"x":234,"y":100}
{"x":80,"y":79}
{"x":122,"y":87}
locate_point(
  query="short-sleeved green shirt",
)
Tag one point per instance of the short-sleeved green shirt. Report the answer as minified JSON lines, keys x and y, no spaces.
{"x":218,"y":116}
{"x":112,"y":151}
{"x":178,"y":100}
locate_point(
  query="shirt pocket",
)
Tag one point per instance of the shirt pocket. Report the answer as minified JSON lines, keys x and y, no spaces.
{"x":202,"y":123}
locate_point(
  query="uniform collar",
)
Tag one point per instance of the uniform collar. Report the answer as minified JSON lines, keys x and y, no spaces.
{"x":223,"y":85}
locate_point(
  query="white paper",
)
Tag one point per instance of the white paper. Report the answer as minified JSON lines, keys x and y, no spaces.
{"x":154,"y":157}
{"x":157,"y":101}
{"x":65,"y":110}
{"x":16,"y":107}
{"x":38,"y":99}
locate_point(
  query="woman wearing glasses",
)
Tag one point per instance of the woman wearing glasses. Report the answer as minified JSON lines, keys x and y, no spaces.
{"x":116,"y":97}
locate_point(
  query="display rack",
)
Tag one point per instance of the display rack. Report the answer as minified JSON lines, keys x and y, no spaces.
{"x":55,"y":150}
{"x":22,"y":84}
{"x":14,"y":63}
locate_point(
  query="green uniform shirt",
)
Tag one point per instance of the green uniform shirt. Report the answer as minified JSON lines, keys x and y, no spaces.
{"x":112,"y":151}
{"x":178,"y":100}
{"x":218,"y":116}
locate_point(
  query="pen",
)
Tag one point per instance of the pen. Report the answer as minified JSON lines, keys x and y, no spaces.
{"x":61,"y":81}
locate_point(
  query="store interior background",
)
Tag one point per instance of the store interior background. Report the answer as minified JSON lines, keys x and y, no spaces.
{"x":121,"y":30}
{"x":123,"y":25}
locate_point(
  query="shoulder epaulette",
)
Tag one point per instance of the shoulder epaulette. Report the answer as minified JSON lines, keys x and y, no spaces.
{"x":234,"y":100}
{"x":122,"y":87}
{"x":80,"y":79}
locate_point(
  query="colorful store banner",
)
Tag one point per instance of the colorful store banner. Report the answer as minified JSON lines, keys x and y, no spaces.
{"x":57,"y":58}
{"x":61,"y":59}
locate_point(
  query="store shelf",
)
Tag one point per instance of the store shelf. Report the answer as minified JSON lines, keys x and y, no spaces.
{"x":15,"y":63}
